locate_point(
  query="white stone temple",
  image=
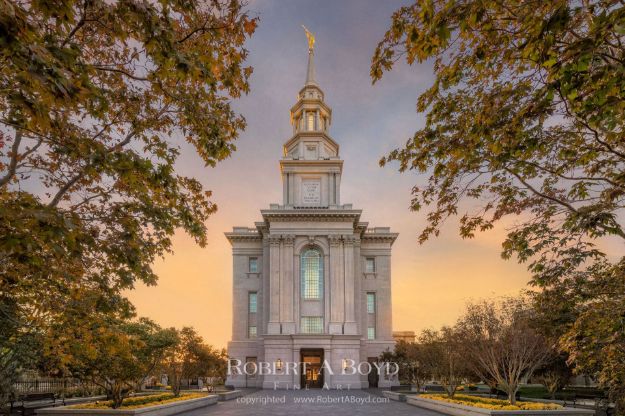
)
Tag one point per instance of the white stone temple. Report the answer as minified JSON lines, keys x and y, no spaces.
{"x":311,"y":281}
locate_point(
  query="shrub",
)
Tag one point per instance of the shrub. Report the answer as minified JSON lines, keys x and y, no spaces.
{"x":492,"y":404}
{"x":141,"y":401}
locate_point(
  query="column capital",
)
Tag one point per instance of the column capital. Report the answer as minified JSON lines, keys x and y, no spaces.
{"x":349,"y":239}
{"x":274,"y":240}
{"x":288,"y":239}
{"x":335,"y":240}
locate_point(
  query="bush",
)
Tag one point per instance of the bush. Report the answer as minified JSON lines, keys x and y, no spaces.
{"x":492,"y":404}
{"x":141,"y":401}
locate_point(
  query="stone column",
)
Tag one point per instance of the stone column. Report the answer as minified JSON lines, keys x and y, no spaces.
{"x":285,"y":188}
{"x":358,"y":291}
{"x":273,"y":326}
{"x":296,"y":374}
{"x":337,"y":286}
{"x":350,"y":326}
{"x":327,"y":377}
{"x":286,"y":286}
{"x":331,"y":191}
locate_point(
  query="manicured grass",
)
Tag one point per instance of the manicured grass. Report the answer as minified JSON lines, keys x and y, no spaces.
{"x":534,"y":392}
{"x":139,"y":402}
{"x":492,"y":404}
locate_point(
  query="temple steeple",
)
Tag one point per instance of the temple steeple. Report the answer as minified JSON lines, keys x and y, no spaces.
{"x":311,"y":167}
{"x":310,"y":73}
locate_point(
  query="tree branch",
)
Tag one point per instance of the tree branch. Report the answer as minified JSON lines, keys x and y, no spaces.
{"x":14,"y":157}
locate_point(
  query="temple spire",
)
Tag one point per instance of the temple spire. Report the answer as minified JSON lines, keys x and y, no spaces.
{"x":310,"y":73}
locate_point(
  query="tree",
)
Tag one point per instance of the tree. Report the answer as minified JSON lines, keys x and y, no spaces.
{"x":442,"y":356}
{"x":98,"y":99}
{"x":525,"y":116}
{"x":555,"y":374}
{"x":189,"y":357}
{"x":408,"y":356}
{"x":116,"y":356}
{"x":17,"y":350}
{"x":218,"y":365}
{"x":501,"y":343}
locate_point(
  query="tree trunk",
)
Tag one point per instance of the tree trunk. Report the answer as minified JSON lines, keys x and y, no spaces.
{"x":175,"y":385}
{"x":116,"y":395}
{"x":512,"y":396}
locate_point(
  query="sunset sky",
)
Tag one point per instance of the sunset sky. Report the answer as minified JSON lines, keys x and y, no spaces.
{"x":432,"y":282}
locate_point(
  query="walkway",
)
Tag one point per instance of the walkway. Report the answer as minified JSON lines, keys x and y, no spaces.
{"x":311,"y":402}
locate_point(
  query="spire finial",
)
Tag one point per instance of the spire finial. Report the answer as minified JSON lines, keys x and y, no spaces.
{"x":310,"y":73}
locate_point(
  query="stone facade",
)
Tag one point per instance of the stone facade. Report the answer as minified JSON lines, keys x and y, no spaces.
{"x":311,"y":281}
{"x":405,"y":336}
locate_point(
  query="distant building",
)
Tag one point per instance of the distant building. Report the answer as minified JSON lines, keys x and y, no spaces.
{"x":406,"y":336}
{"x":311,"y":281}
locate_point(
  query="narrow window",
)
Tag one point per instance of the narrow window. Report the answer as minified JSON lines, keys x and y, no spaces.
{"x":252,"y":309}
{"x":370,"y":302}
{"x":253,"y":265}
{"x":371,"y":332}
{"x":371,"y":314}
{"x":252,"y":331}
{"x":311,"y":122}
{"x":370,"y":265}
{"x":252,"y":297}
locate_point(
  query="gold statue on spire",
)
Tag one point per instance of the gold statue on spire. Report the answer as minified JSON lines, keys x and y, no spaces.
{"x":311,"y":38}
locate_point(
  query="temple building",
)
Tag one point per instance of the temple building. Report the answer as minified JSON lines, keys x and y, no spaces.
{"x":311,"y":281}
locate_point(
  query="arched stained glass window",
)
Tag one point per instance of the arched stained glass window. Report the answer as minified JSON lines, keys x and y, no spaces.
{"x":311,"y":263}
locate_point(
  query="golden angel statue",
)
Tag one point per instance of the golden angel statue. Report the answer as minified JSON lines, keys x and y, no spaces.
{"x":311,"y":38}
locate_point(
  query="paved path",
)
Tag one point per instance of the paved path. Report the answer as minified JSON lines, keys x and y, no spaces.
{"x":310,"y":403}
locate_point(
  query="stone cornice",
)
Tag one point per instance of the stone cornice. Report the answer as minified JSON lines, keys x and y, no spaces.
{"x":243,"y":236}
{"x":330,"y":215}
{"x":311,"y":134}
{"x":322,"y":336}
{"x":309,"y":102}
{"x":293,"y":165}
{"x":382,"y":238}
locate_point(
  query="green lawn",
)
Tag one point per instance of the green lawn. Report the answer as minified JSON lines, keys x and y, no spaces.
{"x":534,"y":392}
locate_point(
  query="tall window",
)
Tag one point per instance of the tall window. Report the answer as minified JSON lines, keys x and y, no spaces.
{"x":312,"y":274}
{"x":253,"y":265}
{"x":371,"y":315}
{"x":253,"y":302}
{"x":371,"y":302}
{"x":370,"y":265}
{"x":252,"y":308}
{"x":311,"y":122}
{"x":312,"y":325}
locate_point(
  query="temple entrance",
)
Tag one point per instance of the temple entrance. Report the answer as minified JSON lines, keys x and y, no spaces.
{"x":311,"y":372}
{"x":250,"y":374}
{"x":373,"y":376}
